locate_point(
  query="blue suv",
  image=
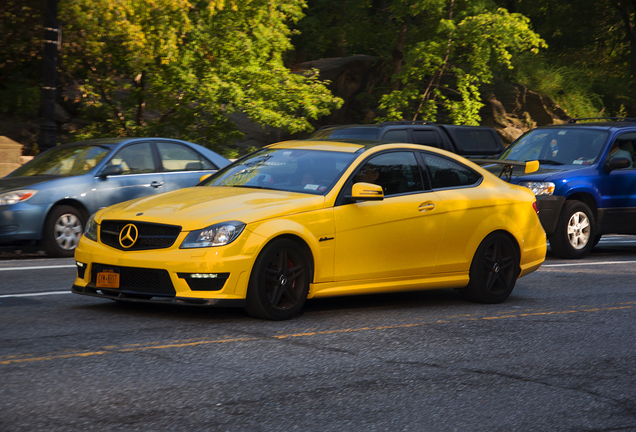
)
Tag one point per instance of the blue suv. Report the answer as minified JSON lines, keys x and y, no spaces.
{"x":586,"y":183}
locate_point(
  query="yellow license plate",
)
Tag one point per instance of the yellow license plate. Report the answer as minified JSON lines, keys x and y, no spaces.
{"x":107,"y":279}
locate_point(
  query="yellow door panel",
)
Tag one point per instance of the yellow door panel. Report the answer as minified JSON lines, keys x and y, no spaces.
{"x":396,"y":237}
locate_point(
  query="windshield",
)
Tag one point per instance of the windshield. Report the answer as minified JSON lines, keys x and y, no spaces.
{"x":66,"y":160}
{"x":294,"y":170}
{"x":558,"y":146}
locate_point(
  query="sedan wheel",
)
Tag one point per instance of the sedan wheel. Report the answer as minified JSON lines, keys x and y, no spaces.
{"x":279,"y":282}
{"x":494,"y":270}
{"x":62,"y":231}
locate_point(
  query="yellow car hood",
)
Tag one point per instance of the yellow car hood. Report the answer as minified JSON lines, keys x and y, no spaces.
{"x":197,"y":207}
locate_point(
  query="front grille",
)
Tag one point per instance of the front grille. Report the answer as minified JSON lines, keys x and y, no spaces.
{"x":150,"y":235}
{"x":135,"y":280}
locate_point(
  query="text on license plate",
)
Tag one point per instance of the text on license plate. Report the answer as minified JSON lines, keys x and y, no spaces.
{"x":107,"y":279}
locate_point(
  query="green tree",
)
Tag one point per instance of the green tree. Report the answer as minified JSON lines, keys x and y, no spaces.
{"x":590,"y":67}
{"x":180,"y":68}
{"x":22,"y":29}
{"x":446,"y":61}
{"x":436,"y":53}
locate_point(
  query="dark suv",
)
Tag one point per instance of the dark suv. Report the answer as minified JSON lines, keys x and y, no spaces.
{"x":467,"y":141}
{"x":586,"y":183}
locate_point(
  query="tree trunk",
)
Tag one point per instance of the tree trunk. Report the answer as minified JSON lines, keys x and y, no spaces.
{"x":630,"y":33}
{"x":140,"y":83}
{"x":398,"y":55}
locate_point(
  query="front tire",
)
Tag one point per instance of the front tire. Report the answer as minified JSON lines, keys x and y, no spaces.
{"x":574,"y":235}
{"x":63,"y":228}
{"x":494,"y":270}
{"x":279,"y":282}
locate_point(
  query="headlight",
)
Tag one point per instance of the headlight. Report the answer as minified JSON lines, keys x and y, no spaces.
{"x":539,"y":188}
{"x":15,"y":197}
{"x":90,"y":232}
{"x":214,"y":235}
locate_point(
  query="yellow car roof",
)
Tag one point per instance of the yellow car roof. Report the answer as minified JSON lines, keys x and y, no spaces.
{"x":336,"y":146}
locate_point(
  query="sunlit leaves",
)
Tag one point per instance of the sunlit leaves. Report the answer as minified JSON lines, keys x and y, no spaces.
{"x":442,"y":70}
{"x":182,"y":67}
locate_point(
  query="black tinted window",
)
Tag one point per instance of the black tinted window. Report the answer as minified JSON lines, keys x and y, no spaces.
{"x":426,"y":137}
{"x":396,"y":172}
{"x":475,"y":141}
{"x":396,"y":135}
{"x":446,"y":173}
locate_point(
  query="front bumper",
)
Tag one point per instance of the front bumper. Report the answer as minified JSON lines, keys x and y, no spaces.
{"x":123,"y":296}
{"x":161,"y":275}
{"x":21,"y":222}
{"x":549,"y":210}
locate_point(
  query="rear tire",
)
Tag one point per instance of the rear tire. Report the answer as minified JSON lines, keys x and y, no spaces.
{"x":494,"y":270}
{"x":279,"y":282}
{"x":63,"y":228}
{"x":574,"y":235}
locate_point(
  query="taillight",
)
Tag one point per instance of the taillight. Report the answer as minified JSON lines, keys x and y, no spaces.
{"x":534,"y":206}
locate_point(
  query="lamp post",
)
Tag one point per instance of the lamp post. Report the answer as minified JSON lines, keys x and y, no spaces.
{"x":48,"y":129}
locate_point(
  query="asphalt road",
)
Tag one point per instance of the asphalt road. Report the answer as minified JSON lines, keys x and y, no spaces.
{"x":560,"y":354}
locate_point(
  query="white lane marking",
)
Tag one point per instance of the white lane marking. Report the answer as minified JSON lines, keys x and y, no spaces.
{"x":38,"y":267}
{"x":588,"y":263}
{"x":35,"y":294}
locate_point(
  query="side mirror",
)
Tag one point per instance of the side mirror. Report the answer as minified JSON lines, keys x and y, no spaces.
{"x":203,"y":177}
{"x":617,"y":163}
{"x":111,"y":170}
{"x":531,"y":166}
{"x":366,"y":192}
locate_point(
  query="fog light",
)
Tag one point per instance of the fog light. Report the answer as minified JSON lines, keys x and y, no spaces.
{"x":81,"y":269}
{"x":205,"y":281}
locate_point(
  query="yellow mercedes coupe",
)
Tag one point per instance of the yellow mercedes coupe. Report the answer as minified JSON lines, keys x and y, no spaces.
{"x":304,"y":219}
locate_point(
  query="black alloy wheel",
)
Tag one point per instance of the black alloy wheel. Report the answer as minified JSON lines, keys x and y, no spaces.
{"x":279,"y":282}
{"x":494,"y":270}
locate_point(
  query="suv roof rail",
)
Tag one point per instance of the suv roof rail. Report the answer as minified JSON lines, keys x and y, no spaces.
{"x":406,"y":122}
{"x":616,"y":119}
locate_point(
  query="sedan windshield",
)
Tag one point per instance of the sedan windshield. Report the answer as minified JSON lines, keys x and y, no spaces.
{"x":558,"y":146}
{"x":66,"y":160}
{"x":294,"y":170}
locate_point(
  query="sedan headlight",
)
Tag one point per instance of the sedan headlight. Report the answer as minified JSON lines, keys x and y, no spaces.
{"x":15,"y":197}
{"x":90,"y":232}
{"x":215,"y":235}
{"x":539,"y":188}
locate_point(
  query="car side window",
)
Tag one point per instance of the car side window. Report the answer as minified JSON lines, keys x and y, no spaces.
{"x":624,"y":146}
{"x":426,"y":137}
{"x":396,"y":172}
{"x":177,"y":157}
{"x":400,"y":135}
{"x":134,"y":159}
{"x":446,"y":173}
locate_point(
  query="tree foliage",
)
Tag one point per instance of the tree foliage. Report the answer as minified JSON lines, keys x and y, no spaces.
{"x":181,"y":67}
{"x":22,"y":28}
{"x":440,"y":51}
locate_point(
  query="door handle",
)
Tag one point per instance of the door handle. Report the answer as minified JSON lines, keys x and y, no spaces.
{"x":156,"y":184}
{"x":424,"y":207}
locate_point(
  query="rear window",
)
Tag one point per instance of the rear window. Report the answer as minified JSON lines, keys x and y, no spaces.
{"x":471,"y":140}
